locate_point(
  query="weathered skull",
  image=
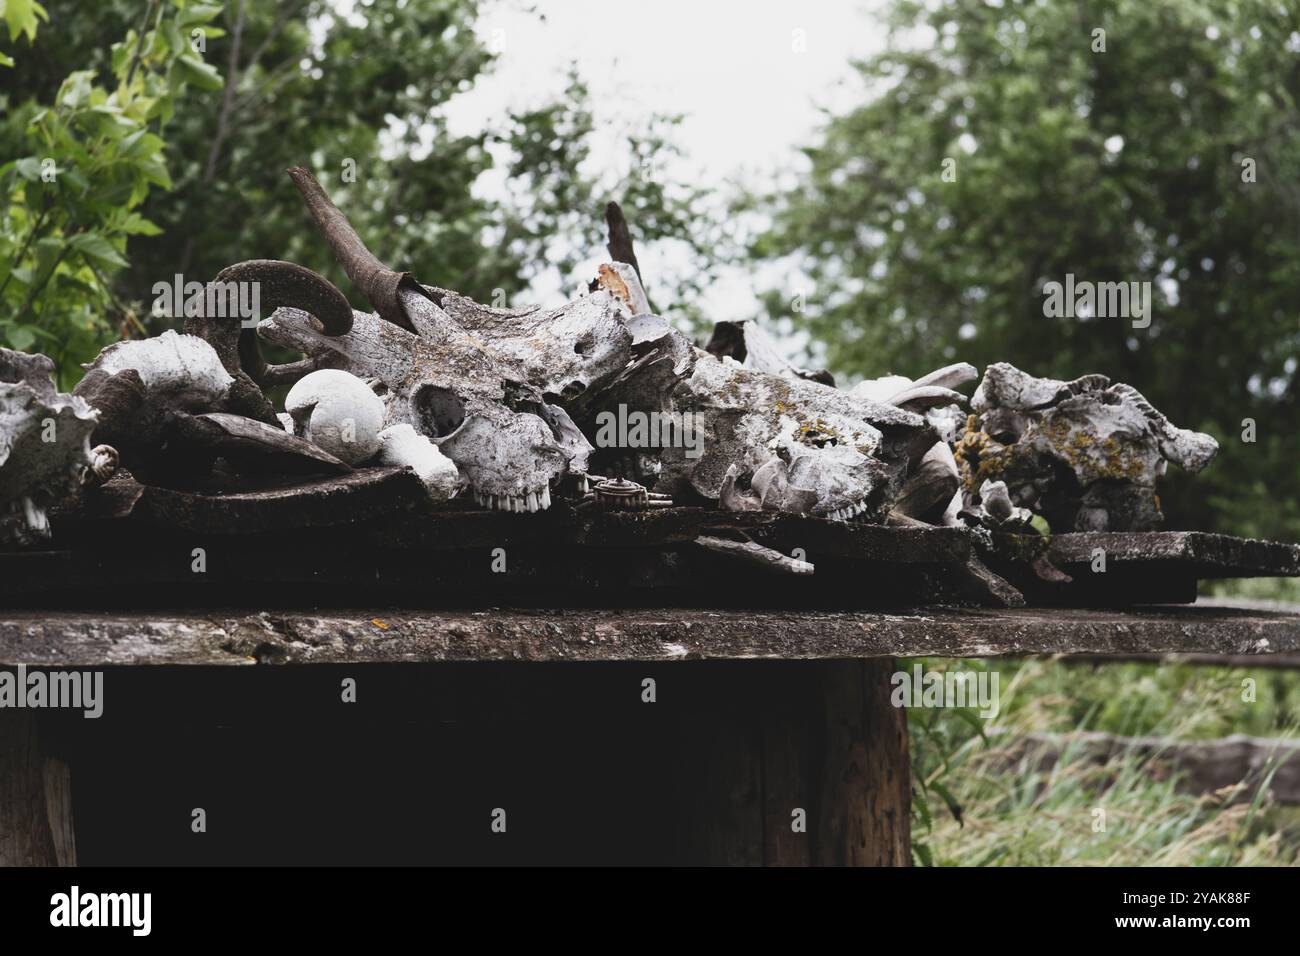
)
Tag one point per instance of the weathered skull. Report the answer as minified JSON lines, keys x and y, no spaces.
{"x":564,"y":352}
{"x":443,"y":381}
{"x":1084,"y":454}
{"x":798,"y":445}
{"x":45,"y":451}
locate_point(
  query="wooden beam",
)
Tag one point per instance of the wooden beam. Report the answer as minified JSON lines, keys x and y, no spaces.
{"x":96,"y":638}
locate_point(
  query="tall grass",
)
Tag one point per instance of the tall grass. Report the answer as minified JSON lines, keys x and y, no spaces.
{"x":983,"y":799}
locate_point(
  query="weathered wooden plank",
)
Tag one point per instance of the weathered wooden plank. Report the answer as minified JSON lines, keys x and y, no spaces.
{"x":1207,"y":555}
{"x":66,"y":638}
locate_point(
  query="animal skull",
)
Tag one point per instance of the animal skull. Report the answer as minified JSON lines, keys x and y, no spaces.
{"x":444,"y":383}
{"x":1084,"y":454}
{"x":45,"y":451}
{"x":800,"y":446}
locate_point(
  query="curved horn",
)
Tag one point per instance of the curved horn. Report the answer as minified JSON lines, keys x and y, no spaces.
{"x":377,"y":282}
{"x":283,"y":284}
{"x":278,"y":283}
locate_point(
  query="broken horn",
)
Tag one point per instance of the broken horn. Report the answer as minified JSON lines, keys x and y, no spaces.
{"x":377,"y":282}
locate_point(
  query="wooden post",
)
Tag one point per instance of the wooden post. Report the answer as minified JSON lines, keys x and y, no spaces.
{"x":35,"y":798}
{"x":809,"y":765}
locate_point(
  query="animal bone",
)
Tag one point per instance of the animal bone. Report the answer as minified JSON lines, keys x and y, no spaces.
{"x":935,"y":481}
{"x":478,"y":408}
{"x":45,"y":451}
{"x":621,"y":281}
{"x":1085,"y":454}
{"x":336,"y":412}
{"x":150,"y":394}
{"x":403,"y":445}
{"x":450,"y":390}
{"x":277,"y":283}
{"x":841,"y":456}
{"x":563,"y":352}
{"x":249,"y":446}
{"x":755,"y":554}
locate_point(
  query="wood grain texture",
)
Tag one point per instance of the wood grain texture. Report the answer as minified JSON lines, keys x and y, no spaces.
{"x":379,"y":635}
{"x":35,"y":798}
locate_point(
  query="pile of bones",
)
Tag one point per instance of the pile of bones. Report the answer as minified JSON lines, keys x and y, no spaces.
{"x":504,"y":407}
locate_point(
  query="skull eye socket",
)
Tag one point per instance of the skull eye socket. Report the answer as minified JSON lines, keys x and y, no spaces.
{"x":583,"y":346}
{"x":1004,"y":427}
{"x":441,"y":411}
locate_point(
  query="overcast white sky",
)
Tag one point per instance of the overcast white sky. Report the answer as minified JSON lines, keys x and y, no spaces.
{"x":749,"y":76}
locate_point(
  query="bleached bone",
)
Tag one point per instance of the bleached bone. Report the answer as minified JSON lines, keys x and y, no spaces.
{"x":337,"y":412}
{"x":278,"y":283}
{"x":621,"y":281}
{"x":755,"y":554}
{"x":564,"y":352}
{"x":402,"y":445}
{"x":450,"y":390}
{"x":45,"y":452}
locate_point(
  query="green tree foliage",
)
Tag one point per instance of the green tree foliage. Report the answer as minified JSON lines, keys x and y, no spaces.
{"x":1132,"y":164}
{"x":86,"y":163}
{"x":359,"y":99}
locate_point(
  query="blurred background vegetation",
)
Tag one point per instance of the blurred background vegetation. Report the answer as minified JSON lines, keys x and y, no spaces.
{"x":1171,"y":157}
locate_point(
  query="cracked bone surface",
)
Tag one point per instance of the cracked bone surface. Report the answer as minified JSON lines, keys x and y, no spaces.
{"x":839,"y":456}
{"x":564,"y":352}
{"x":338,"y":413}
{"x":1085,"y":454}
{"x":445,"y":384}
{"x":45,"y":451}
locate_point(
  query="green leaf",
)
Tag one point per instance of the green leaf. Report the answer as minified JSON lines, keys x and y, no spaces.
{"x":953,"y":806}
{"x":96,"y":247}
{"x":6,"y":60}
{"x":29,"y":167}
{"x":155,"y":172}
{"x":197,"y":13}
{"x":76,"y":89}
{"x":200,"y":74}
{"x":47,"y":253}
{"x":21,"y":337}
{"x":172,"y":34}
{"x":137,"y":225}
{"x":21,"y":16}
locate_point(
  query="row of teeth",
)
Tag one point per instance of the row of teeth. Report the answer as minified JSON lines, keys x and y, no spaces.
{"x":531,"y":502}
{"x":847,"y":512}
